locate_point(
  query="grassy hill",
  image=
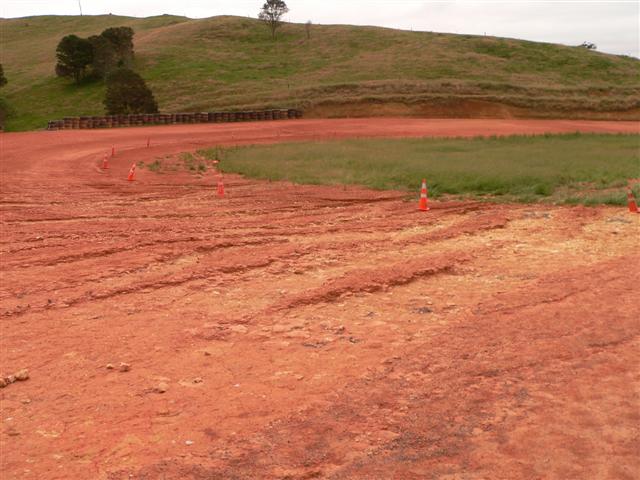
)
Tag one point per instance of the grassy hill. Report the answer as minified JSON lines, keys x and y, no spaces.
{"x":231,"y":62}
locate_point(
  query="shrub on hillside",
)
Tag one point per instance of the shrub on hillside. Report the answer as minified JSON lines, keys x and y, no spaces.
{"x":3,"y":79}
{"x":127,"y":92}
{"x":5,"y":109}
{"x":307,"y":29}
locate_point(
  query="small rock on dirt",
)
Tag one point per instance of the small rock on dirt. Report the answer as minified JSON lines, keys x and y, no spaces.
{"x":22,"y":375}
{"x":617,"y":219}
{"x":110,"y":366}
{"x":423,"y":310}
{"x":197,"y":380}
{"x":297,"y":334}
{"x":161,"y":387}
{"x":124,"y":367}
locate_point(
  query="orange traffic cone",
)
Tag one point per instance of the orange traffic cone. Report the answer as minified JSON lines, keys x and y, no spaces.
{"x":113,"y":151}
{"x":631,"y":201}
{"x":105,"y":162}
{"x":220,"y":187}
{"x":132,"y":173}
{"x":423,"y":197}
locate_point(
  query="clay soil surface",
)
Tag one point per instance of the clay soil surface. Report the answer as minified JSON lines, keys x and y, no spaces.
{"x":294,"y":332}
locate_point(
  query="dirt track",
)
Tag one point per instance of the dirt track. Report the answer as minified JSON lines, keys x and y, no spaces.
{"x":304,"y":331}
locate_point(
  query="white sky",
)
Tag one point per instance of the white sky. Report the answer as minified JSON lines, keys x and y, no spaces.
{"x":613,"y":25}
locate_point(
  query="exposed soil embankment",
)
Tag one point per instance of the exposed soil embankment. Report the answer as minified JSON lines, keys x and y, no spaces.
{"x":466,"y":108}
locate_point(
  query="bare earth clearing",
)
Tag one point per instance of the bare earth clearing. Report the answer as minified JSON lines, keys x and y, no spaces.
{"x":304,"y":331}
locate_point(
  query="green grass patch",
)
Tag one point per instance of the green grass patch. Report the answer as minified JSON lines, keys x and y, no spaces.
{"x":570,"y":168}
{"x":155,"y":166}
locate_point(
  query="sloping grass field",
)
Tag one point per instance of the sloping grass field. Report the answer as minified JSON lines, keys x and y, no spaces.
{"x":231,"y":63}
{"x":574,"y":168}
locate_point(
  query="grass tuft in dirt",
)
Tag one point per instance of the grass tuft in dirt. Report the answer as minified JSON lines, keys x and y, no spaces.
{"x":195,"y":163}
{"x":572,"y":168}
{"x":155,"y":166}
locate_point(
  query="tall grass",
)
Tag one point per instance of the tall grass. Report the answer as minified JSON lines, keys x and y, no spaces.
{"x":571,"y":167}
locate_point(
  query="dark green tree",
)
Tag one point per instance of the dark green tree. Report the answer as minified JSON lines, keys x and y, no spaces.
{"x":105,"y":57}
{"x":3,"y":79}
{"x":122,"y":40}
{"x":112,"y":49}
{"x":74,"y":55}
{"x":271,"y":14}
{"x":127,"y":92}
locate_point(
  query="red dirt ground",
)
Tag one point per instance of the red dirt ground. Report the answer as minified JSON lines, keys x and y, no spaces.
{"x":305,"y":331}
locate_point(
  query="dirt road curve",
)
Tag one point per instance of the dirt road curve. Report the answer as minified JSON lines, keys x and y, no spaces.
{"x":296,"y":332}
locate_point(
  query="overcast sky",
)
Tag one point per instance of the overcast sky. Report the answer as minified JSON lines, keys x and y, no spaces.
{"x":612,"y":25}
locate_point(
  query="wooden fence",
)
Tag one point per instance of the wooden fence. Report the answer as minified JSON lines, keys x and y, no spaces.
{"x":116,"y":121}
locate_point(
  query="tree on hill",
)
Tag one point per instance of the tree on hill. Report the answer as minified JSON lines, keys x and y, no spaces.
{"x":122,"y":40}
{"x":105,"y":57}
{"x":74,"y":55}
{"x":112,"y":49}
{"x":271,"y":14}
{"x":127,"y":92}
{"x":3,"y":79}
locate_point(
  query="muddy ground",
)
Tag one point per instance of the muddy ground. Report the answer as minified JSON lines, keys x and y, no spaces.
{"x":295,"y":332}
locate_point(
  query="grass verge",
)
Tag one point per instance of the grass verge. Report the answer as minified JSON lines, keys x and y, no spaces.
{"x":572,"y":168}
